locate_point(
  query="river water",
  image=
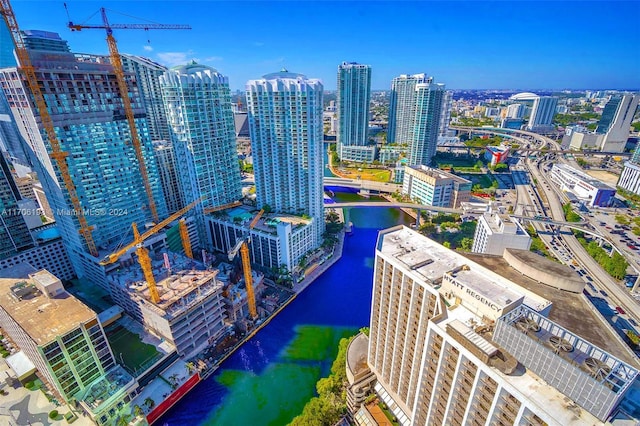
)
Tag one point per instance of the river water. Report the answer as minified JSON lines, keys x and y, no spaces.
{"x":269,"y":380}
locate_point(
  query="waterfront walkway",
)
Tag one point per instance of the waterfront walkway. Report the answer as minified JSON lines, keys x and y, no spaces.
{"x":337,"y":254}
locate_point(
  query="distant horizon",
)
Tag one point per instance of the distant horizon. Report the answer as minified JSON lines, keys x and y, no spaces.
{"x":502,"y":44}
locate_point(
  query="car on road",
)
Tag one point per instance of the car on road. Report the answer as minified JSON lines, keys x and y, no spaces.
{"x":620,"y":310}
{"x":604,"y":293}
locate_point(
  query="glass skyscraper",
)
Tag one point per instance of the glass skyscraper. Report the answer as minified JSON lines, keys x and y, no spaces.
{"x":198,"y":105}
{"x":14,"y":233}
{"x":84,"y":103}
{"x":354,"y":95}
{"x":285,"y":122}
{"x":542,"y":113}
{"x":414,"y":115}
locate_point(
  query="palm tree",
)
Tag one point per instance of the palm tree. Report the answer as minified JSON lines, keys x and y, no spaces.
{"x":150,"y":403}
{"x":137,"y":411}
{"x":190,"y":367}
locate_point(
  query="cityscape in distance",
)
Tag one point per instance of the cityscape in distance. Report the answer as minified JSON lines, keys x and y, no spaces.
{"x":283,"y":213}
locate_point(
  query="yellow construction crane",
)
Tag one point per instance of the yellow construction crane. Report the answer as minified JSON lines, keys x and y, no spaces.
{"x":186,"y":242}
{"x":58,"y":156}
{"x":143,"y":253}
{"x":116,"y":62}
{"x":243,"y":246}
{"x":222,"y":207}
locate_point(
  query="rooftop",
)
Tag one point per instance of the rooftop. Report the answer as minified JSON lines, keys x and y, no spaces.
{"x":41,"y":317}
{"x":438,"y":174}
{"x":430,"y":261}
{"x":570,"y":310}
{"x":177,"y":287}
{"x":582,"y":176}
{"x":545,"y":396}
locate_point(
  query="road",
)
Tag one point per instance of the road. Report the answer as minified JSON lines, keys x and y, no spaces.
{"x":616,"y":291}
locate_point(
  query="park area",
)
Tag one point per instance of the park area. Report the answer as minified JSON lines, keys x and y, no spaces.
{"x":374,"y":174}
{"x":129,"y":349}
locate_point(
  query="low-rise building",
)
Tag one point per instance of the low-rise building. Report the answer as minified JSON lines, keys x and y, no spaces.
{"x":49,"y":253}
{"x":496,"y":154}
{"x":65,"y":342}
{"x":358,"y":153}
{"x":389,"y":154}
{"x":497,"y":232}
{"x":583,"y":186}
{"x":630,"y":178}
{"x":277,"y":240}
{"x":435,"y":187}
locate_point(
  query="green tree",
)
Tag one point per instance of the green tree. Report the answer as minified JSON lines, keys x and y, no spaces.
{"x":447,"y":244}
{"x":466,"y":243}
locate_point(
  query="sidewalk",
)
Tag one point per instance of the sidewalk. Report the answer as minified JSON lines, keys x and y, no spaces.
{"x":337,"y":254}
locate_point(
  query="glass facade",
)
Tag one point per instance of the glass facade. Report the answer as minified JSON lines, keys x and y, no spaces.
{"x":83,"y":99}
{"x":14,"y":233}
{"x":198,"y":105}
{"x":78,"y":358}
{"x":354,"y":96}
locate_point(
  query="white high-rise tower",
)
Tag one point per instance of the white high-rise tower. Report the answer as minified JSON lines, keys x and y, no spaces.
{"x":285,"y":122}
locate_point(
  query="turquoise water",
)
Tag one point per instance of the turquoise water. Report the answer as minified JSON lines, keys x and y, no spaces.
{"x":48,"y":234}
{"x":269,"y":380}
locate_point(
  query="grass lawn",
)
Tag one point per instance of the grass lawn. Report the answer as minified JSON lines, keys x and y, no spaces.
{"x":377,"y":175}
{"x":481,"y":179}
{"x":135,"y":353}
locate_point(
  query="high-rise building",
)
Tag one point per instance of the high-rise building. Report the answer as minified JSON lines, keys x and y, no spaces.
{"x":630,"y":177}
{"x":6,"y":47}
{"x":515,"y":111}
{"x":285,"y":122}
{"x":198,"y":103}
{"x":168,"y":172}
{"x":434,"y":187}
{"x":402,"y":107}
{"x":11,"y":142}
{"x":454,"y":342}
{"x":14,"y":232}
{"x":497,"y":232}
{"x":84,"y":102}
{"x":354,"y":96}
{"x":445,"y":114}
{"x":148,"y":75}
{"x":415,"y":114}
{"x":542,"y":113}
{"x":615,"y":122}
{"x":64,"y":342}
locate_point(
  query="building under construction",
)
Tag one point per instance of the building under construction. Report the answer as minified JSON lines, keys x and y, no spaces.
{"x":189,"y":313}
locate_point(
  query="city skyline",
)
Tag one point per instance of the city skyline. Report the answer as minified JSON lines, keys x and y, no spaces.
{"x":465,"y":46}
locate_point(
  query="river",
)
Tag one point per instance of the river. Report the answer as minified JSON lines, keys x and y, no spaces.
{"x":269,"y":380}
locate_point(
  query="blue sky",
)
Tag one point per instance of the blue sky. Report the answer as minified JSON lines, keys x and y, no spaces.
{"x":466,"y":45}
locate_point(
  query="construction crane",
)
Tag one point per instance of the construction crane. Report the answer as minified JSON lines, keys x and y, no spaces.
{"x":116,"y":62}
{"x":186,"y":242}
{"x":222,"y":207}
{"x":57,"y":155}
{"x":143,"y":253}
{"x":243,"y":246}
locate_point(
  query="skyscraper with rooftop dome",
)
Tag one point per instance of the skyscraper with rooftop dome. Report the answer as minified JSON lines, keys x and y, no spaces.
{"x":198,"y":106}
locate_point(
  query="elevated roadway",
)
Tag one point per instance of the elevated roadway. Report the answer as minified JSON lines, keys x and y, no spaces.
{"x":387,"y":204}
{"x":366,"y":185}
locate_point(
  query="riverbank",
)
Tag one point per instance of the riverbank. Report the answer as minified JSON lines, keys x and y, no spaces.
{"x":410,"y":212}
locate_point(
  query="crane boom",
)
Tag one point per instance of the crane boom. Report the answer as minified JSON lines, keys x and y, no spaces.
{"x":139,"y":238}
{"x":58,"y":156}
{"x":116,"y":62}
